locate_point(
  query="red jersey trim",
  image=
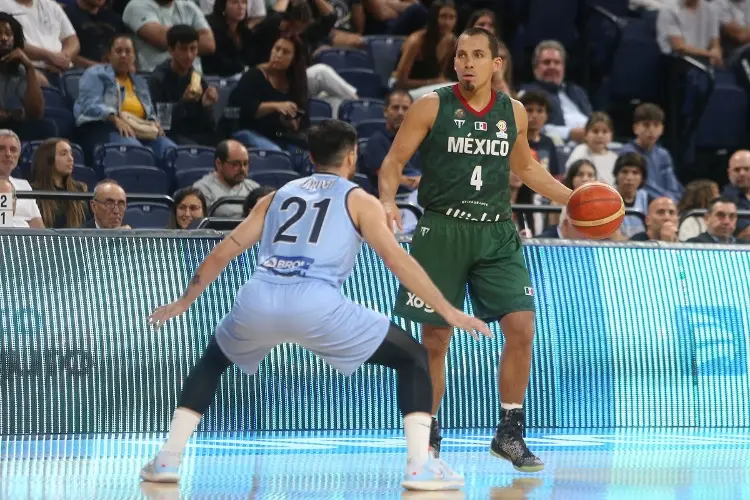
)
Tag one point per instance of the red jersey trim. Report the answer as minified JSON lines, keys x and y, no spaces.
{"x":466,"y":104}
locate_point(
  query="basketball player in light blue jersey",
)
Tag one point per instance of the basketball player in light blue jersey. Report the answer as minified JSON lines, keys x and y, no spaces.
{"x":310,"y":233}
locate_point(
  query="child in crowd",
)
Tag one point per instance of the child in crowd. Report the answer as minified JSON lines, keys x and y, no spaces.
{"x":594,"y":148}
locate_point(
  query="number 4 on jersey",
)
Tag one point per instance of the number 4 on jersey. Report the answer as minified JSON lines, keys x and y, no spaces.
{"x":476,"y":177}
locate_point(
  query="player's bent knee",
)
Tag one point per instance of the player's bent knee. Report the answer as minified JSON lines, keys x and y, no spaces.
{"x":518,"y":328}
{"x":436,"y":339}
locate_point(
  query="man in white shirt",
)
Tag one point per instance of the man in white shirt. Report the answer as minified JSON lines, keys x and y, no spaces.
{"x":691,"y":28}
{"x":51,"y":41}
{"x":27,"y":212}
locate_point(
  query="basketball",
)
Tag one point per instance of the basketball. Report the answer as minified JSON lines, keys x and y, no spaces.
{"x":596,"y":210}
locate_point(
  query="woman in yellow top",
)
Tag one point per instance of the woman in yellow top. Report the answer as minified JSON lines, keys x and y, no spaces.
{"x":107,"y":94}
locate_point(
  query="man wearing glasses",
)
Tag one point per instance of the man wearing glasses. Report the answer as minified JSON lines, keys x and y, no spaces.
{"x":229,"y":178}
{"x":108,"y":206}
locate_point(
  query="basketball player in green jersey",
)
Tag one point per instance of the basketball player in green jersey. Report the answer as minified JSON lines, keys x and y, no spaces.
{"x":470,"y":138}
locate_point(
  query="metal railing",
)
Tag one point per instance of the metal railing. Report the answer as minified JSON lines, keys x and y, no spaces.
{"x":161,"y":199}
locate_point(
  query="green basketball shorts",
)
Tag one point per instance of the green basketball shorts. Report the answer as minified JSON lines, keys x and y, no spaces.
{"x":487,"y":256}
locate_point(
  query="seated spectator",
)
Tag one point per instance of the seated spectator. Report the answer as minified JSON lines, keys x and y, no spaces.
{"x":189,"y":206}
{"x":738,"y":189}
{"x":273,"y":98}
{"x":51,"y":41}
{"x":690,"y":28}
{"x":721,"y":222}
{"x":594,"y":148}
{"x":95,"y":24}
{"x":734,"y":22}
{"x":21,"y":99}
{"x":151,"y":19}
{"x":630,"y":177}
{"x":698,"y":195}
{"x":256,"y":10}
{"x":175,"y":85}
{"x":537,"y":108}
{"x":427,"y":53}
{"x":9,"y":220}
{"x":502,"y":80}
{"x":27,"y":212}
{"x":569,"y":104}
{"x":394,"y":17}
{"x":102,"y":89}
{"x":661,"y":222}
{"x":235,"y":47}
{"x":562,"y":230}
{"x":253,"y":197}
{"x":579,"y":173}
{"x":397,"y":104}
{"x":231,"y":163}
{"x":648,"y":126}
{"x":108,"y":206}
{"x":350,"y":24}
{"x":52,"y":170}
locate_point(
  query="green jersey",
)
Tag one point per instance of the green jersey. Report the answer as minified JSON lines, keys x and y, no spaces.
{"x":466,"y":158}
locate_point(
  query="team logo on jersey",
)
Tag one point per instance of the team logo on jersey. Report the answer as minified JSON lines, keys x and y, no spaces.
{"x":528,"y":291}
{"x":460,"y":113}
{"x":503,"y":127}
{"x":459,"y":123}
{"x":480,"y":126}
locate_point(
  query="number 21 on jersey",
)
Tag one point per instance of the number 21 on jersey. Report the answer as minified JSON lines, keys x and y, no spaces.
{"x":476,"y":177}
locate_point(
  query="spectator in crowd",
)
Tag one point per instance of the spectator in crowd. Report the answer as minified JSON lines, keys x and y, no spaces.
{"x":256,"y":9}
{"x":231,"y":164}
{"x":51,"y":41}
{"x":562,"y":230}
{"x":738,"y":189}
{"x":176,"y":86}
{"x":394,"y":17}
{"x":648,"y":126}
{"x":273,"y":98}
{"x":594,"y":148}
{"x":95,"y":24}
{"x":235,"y":47}
{"x":27,"y":212}
{"x":151,"y":19}
{"x":502,"y":80}
{"x":630,"y":177}
{"x":102,"y":89}
{"x":428,"y":53}
{"x":734,"y":20}
{"x":698,"y":195}
{"x":52,"y":170}
{"x":520,"y":194}
{"x":690,"y":28}
{"x":108,"y":206}
{"x":537,"y":108}
{"x":569,"y":104}
{"x":7,"y":188}
{"x":579,"y":172}
{"x":21,"y":98}
{"x":397,"y":103}
{"x":661,"y":222}
{"x":350,"y":24}
{"x":189,"y":206}
{"x":721,"y":222}
{"x":253,"y":197}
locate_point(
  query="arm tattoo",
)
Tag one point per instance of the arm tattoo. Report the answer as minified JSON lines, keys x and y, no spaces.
{"x":196,"y":280}
{"x":235,"y":241}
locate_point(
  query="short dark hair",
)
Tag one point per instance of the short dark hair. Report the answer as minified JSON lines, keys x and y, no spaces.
{"x":535,"y":97}
{"x":599,"y":117}
{"x":181,"y":33}
{"x":298,"y":11}
{"x":252,"y":198}
{"x":118,"y":36}
{"x":221,"y":152}
{"x":330,"y":141}
{"x":631,"y":160}
{"x":492,"y":39}
{"x":387,"y":101}
{"x":717,"y":200}
{"x":648,"y":112}
{"x":19,"y":40}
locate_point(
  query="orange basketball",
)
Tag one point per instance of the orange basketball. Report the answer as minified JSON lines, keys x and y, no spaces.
{"x":596,"y":210}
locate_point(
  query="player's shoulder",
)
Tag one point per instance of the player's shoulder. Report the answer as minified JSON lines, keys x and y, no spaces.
{"x":427,"y":106}
{"x":519,"y":111}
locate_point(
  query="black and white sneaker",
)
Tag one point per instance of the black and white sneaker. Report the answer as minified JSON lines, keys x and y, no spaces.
{"x":508,"y":442}
{"x":435,"y":438}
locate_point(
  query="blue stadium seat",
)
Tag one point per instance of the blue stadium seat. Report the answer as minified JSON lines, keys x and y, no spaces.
{"x":86,"y":175}
{"x":54,"y":98}
{"x":385,"y":52}
{"x":29,"y":148}
{"x":357,"y":111}
{"x":190,"y":157}
{"x":340,"y":59}
{"x":188,"y":176}
{"x":262,"y":160}
{"x":361,"y":151}
{"x":364,"y":182}
{"x":274,"y":178}
{"x":366,"y":128}
{"x":140,"y":179}
{"x":318,"y":109}
{"x":147,"y":216}
{"x":637,"y":63}
{"x":118,"y":155}
{"x":63,"y":120}
{"x":724,"y":123}
{"x":367,"y":83}
{"x":70,"y":81}
{"x":224,"y":86}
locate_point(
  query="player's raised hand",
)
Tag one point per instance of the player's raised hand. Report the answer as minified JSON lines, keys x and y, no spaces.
{"x":463,"y":321}
{"x":164,"y":313}
{"x":393,"y":214}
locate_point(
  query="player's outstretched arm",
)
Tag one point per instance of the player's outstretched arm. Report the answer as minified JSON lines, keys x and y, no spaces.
{"x":244,"y":236}
{"x":528,"y":169}
{"x":414,"y":129}
{"x":369,"y":216}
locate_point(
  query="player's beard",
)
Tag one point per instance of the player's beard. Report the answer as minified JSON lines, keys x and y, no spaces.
{"x":468,"y":86}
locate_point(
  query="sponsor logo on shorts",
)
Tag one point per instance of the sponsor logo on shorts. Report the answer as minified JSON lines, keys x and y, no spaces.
{"x":288,"y":266}
{"x":424,"y":230}
{"x":418,"y":303}
{"x":528,"y":291}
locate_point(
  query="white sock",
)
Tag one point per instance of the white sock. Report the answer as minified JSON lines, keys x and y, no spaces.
{"x":417,"y":431}
{"x":182,"y":427}
{"x":510,"y":406}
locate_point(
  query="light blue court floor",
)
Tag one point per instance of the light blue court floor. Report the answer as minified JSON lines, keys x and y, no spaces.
{"x":638,"y":464}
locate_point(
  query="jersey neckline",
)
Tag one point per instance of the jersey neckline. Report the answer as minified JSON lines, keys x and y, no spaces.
{"x":468,"y":107}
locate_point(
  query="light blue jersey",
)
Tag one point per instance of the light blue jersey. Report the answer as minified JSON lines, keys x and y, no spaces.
{"x":308,"y":232}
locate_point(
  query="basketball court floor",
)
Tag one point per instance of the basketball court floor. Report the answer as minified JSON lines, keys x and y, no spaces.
{"x":598,"y":464}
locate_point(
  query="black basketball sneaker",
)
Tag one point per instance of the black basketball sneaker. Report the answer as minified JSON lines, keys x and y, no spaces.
{"x":508,"y":442}
{"x":435,"y":438}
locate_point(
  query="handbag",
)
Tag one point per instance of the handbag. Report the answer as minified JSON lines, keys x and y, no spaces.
{"x":146,"y":130}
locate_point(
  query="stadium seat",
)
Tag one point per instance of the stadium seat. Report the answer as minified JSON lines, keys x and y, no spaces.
{"x":190,"y":157}
{"x":118,"y":155}
{"x":724,"y":122}
{"x":361,"y":152}
{"x":340,"y":59}
{"x":29,"y":148}
{"x":366,"y":128}
{"x":367,"y":83}
{"x":364,"y":182}
{"x":188,"y":176}
{"x":86,"y":175}
{"x":63,"y":120}
{"x":262,"y":160}
{"x":319,"y":109}
{"x":140,"y":179}
{"x":70,"y":81}
{"x":274,"y":178}
{"x":54,"y":98}
{"x":147,"y":215}
{"x":364,"y":109}
{"x":385,"y":52}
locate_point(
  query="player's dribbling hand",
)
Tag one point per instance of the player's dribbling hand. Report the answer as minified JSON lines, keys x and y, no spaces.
{"x":393,"y":214}
{"x":468,"y":323}
{"x":164,"y":313}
